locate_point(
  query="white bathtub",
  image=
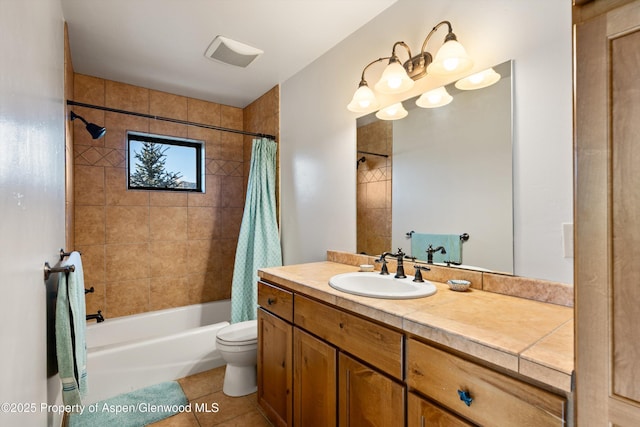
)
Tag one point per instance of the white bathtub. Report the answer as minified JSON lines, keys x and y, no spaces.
{"x":127,"y":353}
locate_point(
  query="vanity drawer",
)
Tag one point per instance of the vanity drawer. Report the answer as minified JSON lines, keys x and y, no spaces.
{"x":276,"y":300}
{"x":378,"y":345}
{"x":498,"y":400}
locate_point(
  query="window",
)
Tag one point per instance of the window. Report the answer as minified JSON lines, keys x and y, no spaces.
{"x":164,"y":163}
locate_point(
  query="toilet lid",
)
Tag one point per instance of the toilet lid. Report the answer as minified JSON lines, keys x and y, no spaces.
{"x":239,"y":333}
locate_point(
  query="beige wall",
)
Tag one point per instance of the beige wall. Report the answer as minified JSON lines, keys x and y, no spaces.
{"x":374,"y":188}
{"x":149,"y":250}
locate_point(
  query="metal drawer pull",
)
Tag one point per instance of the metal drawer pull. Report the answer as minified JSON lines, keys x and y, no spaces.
{"x":271,"y":301}
{"x":465,"y":397}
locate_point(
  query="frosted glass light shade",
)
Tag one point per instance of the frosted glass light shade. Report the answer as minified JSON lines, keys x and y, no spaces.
{"x":452,"y":58}
{"x":434,"y":98}
{"x":363,"y":100}
{"x":392,"y":112}
{"x":394,"y":79}
{"x":478,"y":80}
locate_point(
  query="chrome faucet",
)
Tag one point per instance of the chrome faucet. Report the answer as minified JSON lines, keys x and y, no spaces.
{"x":431,"y":251}
{"x":399,"y":256}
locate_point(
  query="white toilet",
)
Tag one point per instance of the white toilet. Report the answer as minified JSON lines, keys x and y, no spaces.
{"x":238,"y":346}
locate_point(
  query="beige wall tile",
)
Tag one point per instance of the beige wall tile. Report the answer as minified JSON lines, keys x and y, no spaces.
{"x":89,"y":185}
{"x":202,"y":222}
{"x":160,"y":127}
{"x":211,"y":196}
{"x":169,"y":292}
{"x":168,"y":259}
{"x":165,"y":104}
{"x":231,"y":147}
{"x":145,"y":243}
{"x":116,"y":190}
{"x":168,"y":223}
{"x":207,"y":287}
{"x":127,"y":224}
{"x":88,"y":90}
{"x":167,"y":198}
{"x":126,"y":262}
{"x":203,"y":112}
{"x":89,"y":225}
{"x":127,"y":297}
{"x":201,"y":257}
{"x":230,"y":220}
{"x":231,"y":191}
{"x":126,"y":97}
{"x":117,"y":126}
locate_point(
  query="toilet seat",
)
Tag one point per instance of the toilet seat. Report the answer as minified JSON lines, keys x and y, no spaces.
{"x":239,"y":334}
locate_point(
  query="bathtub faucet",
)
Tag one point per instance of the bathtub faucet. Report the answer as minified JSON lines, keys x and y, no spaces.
{"x":98,"y":317}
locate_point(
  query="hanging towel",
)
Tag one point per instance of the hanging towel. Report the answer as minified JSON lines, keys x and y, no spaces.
{"x":451,"y":242}
{"x":71,"y":348}
{"x":259,"y":239}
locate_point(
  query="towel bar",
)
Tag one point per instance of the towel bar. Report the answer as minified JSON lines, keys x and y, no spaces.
{"x":48,"y":270}
{"x":64,"y":254}
{"x":464,"y":236}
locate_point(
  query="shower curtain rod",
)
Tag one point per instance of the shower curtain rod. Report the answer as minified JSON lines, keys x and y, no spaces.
{"x":167,"y":119}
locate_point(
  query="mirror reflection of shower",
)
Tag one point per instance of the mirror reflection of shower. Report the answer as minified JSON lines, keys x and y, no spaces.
{"x":373,"y":170}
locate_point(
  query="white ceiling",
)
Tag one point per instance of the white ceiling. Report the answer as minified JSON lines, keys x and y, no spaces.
{"x":160,"y":44}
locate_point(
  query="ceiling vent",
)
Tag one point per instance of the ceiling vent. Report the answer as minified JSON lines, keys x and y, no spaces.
{"x":228,"y":51}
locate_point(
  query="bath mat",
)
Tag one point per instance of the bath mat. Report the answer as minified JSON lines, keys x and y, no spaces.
{"x":135,"y":409}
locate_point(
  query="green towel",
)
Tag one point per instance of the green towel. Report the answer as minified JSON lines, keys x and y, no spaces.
{"x":71,"y":323}
{"x":259,"y":239}
{"x":451,"y":242}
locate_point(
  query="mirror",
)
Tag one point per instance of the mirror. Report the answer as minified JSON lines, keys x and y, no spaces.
{"x":445,"y":170}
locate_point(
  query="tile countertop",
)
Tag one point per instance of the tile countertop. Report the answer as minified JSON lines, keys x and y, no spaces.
{"x":532,"y":338}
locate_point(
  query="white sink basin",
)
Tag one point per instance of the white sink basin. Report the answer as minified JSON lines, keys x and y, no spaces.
{"x":376,"y":285}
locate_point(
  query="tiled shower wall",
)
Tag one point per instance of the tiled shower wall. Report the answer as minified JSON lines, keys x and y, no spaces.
{"x":374,"y":188}
{"x":149,"y":250}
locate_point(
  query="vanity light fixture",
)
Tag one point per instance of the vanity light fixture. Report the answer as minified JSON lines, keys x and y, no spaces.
{"x":392,"y":112}
{"x":434,"y":98}
{"x":399,"y":77}
{"x":478,"y":80}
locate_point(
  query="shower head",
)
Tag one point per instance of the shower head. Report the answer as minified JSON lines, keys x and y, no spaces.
{"x":360,"y":160}
{"x":95,"y":130}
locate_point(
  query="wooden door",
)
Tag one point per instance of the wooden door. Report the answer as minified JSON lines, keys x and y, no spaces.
{"x":607,"y":263}
{"x":275,"y":368}
{"x":368,"y":398}
{"x":315,"y":378}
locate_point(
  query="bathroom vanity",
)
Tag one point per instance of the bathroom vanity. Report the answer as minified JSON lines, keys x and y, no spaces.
{"x":328,"y":358}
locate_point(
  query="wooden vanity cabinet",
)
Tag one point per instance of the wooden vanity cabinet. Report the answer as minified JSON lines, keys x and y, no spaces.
{"x":310,"y":380}
{"x":423,"y":413}
{"x":315,"y":374}
{"x":497,"y":399}
{"x":275,"y":354}
{"x":319,"y":365}
{"x":368,"y":398}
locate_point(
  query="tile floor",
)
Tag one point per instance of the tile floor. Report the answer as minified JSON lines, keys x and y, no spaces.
{"x":205,"y":389}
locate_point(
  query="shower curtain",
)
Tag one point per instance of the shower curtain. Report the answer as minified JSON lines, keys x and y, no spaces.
{"x":259,"y":240}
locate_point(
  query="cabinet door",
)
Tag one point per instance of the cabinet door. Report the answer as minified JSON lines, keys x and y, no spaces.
{"x":315,"y":381}
{"x":422,"y":413}
{"x":275,"y":368}
{"x":368,"y":398}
